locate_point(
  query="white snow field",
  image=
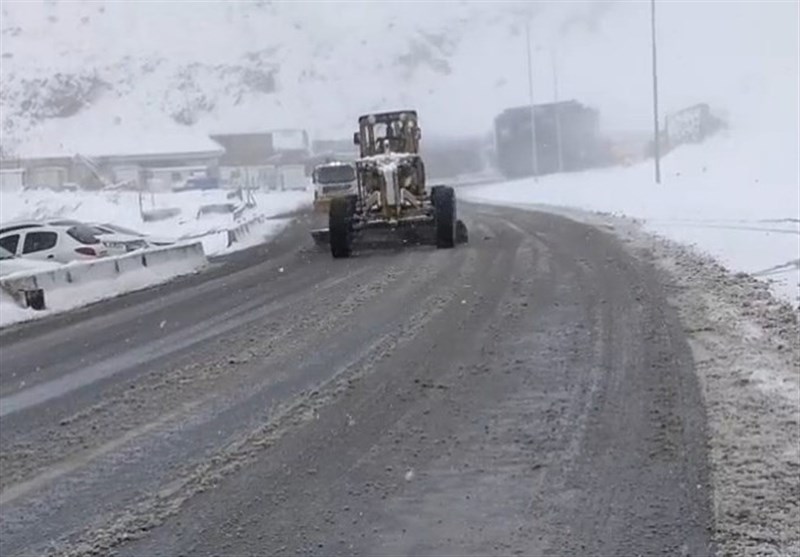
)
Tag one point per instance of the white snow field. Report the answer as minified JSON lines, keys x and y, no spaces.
{"x":734,"y":198}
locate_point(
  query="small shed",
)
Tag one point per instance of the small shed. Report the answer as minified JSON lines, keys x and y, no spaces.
{"x":12,"y":179}
{"x":264,"y":159}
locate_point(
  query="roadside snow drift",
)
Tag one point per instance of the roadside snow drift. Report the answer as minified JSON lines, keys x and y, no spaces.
{"x":122,"y":208}
{"x":80,"y":283}
{"x":213,"y":234}
{"x":716,"y":196}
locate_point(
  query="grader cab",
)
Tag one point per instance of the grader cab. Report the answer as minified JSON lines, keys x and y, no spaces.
{"x":393,"y":200}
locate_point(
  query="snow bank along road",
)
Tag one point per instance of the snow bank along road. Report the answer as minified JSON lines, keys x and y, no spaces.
{"x":531,"y":393}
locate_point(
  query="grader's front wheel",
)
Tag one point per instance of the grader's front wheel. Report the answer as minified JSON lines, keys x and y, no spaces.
{"x":444,"y":206}
{"x":340,"y":217}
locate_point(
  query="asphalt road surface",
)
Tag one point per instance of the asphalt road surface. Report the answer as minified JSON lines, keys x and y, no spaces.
{"x":528,"y":393}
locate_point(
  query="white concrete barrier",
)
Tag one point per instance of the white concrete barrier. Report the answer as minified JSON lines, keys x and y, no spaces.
{"x":106,"y":277}
{"x":128,"y":264}
{"x":172,"y":254}
{"x":242,"y":231}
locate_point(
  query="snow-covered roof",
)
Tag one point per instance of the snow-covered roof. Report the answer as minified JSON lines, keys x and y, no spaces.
{"x":120,"y":143}
{"x":334,"y":164}
{"x":383,"y":159}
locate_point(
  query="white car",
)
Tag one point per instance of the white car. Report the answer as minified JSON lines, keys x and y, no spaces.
{"x":115,"y":243}
{"x":118,"y":243}
{"x":108,"y":230}
{"x":60,"y":241}
{"x":10,"y":264}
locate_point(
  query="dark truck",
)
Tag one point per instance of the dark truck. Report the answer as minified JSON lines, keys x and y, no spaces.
{"x":577,"y":126}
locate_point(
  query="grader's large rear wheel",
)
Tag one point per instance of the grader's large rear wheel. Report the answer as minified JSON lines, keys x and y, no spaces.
{"x":444,"y":207}
{"x":340,"y":226}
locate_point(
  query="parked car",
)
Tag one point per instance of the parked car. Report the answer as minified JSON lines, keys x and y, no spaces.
{"x":116,"y":240}
{"x":104,"y":229}
{"x":10,"y":263}
{"x":118,"y":243}
{"x":61,"y":241}
{"x":34,"y":223}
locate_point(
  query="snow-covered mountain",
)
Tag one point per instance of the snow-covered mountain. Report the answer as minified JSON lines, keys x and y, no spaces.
{"x":98,"y":68}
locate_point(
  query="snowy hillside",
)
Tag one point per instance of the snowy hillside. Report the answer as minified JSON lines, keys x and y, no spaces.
{"x":72,"y":68}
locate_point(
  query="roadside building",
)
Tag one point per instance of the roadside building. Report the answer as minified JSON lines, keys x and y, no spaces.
{"x":138,"y":161}
{"x":268,"y":159}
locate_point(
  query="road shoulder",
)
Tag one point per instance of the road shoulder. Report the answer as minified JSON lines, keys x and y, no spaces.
{"x":746,"y":347}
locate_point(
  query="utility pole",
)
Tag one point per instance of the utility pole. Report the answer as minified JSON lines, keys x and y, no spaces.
{"x":534,"y":153}
{"x":656,"y":141}
{"x":558,"y":110}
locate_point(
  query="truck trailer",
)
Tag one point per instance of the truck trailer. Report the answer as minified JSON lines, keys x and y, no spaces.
{"x":567,"y":139}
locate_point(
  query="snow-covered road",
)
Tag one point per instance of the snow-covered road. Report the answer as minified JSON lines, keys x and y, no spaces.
{"x":548,"y":388}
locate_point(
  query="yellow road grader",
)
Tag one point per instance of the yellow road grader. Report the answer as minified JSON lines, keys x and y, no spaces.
{"x":392,"y":201}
